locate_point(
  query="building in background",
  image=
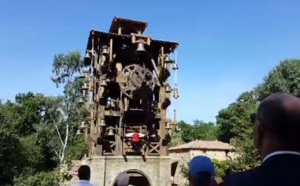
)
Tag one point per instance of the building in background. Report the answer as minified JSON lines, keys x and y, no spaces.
{"x":182,"y":154}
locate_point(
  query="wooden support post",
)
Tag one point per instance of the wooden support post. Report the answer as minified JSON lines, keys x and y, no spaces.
{"x":162,"y":130}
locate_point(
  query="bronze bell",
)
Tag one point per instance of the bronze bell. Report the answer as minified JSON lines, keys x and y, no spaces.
{"x":168,"y":126}
{"x":168,"y":89}
{"x":78,"y":132}
{"x":82,"y":126}
{"x":81,"y":100}
{"x":87,"y":58}
{"x":108,"y":102}
{"x":85,"y":86}
{"x":167,"y":59}
{"x":111,"y":131}
{"x":112,"y":104}
{"x":140,"y":47}
{"x":176,"y":95}
{"x":105,"y":50}
{"x":102,"y":123}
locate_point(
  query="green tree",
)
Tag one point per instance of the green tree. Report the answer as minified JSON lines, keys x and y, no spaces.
{"x":66,"y":68}
{"x":198,"y":131}
{"x":236,"y":127}
{"x":285,"y":77}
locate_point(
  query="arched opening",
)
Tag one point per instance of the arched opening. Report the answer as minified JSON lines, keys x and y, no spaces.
{"x":137,"y":178}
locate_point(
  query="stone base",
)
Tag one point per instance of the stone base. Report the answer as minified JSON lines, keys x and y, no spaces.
{"x":106,"y":168}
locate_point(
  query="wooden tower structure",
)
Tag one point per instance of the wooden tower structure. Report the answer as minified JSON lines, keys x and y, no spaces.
{"x":126,"y":90}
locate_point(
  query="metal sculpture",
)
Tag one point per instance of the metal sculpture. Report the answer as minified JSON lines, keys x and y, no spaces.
{"x":126,"y":90}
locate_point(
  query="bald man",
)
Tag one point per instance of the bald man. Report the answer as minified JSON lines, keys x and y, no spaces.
{"x":277,"y":137}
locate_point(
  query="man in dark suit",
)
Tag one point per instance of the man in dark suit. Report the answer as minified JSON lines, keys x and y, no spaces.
{"x":277,"y":137}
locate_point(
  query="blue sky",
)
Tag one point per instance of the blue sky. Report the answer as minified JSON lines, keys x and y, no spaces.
{"x":226,"y":47}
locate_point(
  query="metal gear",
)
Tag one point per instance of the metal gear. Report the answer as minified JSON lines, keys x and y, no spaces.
{"x":136,"y":81}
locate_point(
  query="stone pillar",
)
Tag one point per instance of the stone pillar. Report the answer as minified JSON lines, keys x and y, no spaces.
{"x":165,"y":171}
{"x":98,"y":166}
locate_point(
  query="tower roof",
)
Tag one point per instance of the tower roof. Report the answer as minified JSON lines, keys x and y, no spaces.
{"x":128,"y":25}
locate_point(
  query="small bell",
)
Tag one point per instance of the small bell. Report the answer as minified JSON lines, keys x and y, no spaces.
{"x":105,"y":50}
{"x":84,"y":160}
{"x":78,"y":132}
{"x":82,"y":126}
{"x":103,"y":83}
{"x":176,"y":95}
{"x":112,"y":104}
{"x":168,"y":89}
{"x":167,"y":59}
{"x":108,"y":102}
{"x":111,"y":131}
{"x":175,"y":66}
{"x":140,"y":47}
{"x":85,"y":86}
{"x":81,"y":100}
{"x":102,"y":123}
{"x":168,"y":126}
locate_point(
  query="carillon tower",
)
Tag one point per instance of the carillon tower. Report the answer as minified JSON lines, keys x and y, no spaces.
{"x":126,"y":91}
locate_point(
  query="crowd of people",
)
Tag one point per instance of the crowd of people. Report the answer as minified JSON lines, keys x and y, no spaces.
{"x":277,"y":138}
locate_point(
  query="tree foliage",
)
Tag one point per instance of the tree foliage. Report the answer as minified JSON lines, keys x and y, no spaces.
{"x":199,"y":130}
{"x":37,"y":132}
{"x":234,"y":122}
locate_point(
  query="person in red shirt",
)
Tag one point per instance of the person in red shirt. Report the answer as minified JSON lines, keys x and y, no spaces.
{"x":135,"y":139}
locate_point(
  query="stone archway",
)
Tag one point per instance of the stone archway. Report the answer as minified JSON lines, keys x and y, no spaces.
{"x":137,"y":178}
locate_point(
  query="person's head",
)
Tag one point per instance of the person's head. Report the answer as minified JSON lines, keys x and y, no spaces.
{"x":122,"y":179}
{"x":277,"y":124}
{"x":84,"y":172}
{"x":201,"y":170}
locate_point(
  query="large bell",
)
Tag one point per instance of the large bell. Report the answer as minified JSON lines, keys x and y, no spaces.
{"x":105,"y":50}
{"x":102,"y":123}
{"x":87,"y":58}
{"x":140,"y":47}
{"x":111,"y":132}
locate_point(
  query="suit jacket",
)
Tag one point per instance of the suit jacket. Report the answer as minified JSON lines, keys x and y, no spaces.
{"x":278,"y":170}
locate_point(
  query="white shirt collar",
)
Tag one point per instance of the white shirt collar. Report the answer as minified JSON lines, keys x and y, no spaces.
{"x":280,"y":152}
